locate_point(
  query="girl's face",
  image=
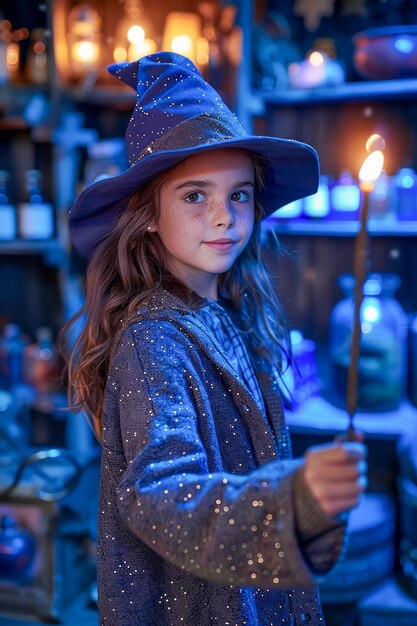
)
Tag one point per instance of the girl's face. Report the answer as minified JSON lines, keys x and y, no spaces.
{"x":206,"y":216}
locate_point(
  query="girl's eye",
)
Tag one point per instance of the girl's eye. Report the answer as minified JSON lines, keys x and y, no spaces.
{"x":195,"y":196}
{"x":240,"y":196}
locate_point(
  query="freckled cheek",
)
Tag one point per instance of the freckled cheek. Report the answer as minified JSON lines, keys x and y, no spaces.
{"x":198,"y":216}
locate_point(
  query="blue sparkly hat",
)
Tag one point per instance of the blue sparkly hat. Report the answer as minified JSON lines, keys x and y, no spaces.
{"x":178,"y":114}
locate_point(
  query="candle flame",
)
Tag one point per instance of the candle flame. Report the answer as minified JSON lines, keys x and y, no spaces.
{"x":316,"y":58}
{"x":371,"y":170}
{"x":375,"y":142}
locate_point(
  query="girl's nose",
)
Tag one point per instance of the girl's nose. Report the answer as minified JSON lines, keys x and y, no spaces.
{"x":223,"y":214}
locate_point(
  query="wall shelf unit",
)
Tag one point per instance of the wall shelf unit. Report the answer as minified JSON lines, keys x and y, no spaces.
{"x":339,"y":229}
{"x":400,"y":89}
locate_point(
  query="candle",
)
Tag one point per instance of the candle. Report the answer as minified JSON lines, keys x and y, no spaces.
{"x":368,"y":174}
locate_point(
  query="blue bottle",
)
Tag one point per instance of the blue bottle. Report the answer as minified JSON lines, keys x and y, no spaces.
{"x":404,"y":194}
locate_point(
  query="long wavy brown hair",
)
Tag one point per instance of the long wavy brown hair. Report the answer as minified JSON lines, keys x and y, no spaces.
{"x":130,"y":264}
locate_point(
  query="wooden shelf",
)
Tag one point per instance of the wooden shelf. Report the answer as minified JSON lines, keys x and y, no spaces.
{"x":356,"y":91}
{"x":338,"y":229}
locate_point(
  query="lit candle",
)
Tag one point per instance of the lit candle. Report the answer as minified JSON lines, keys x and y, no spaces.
{"x":368,"y":175}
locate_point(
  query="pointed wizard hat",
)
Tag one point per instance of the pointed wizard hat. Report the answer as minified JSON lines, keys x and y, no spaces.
{"x":178,"y":114}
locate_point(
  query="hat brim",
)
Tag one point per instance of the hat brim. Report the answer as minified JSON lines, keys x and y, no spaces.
{"x":293,"y":174}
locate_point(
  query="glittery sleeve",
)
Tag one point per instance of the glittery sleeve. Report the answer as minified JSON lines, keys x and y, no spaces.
{"x":322,"y":538}
{"x":176,"y":492}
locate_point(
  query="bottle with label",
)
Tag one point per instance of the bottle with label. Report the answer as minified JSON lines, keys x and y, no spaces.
{"x":36,"y":217}
{"x":8,"y":226}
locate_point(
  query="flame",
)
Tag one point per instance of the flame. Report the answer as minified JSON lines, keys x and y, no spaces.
{"x":316,"y":58}
{"x":371,"y":170}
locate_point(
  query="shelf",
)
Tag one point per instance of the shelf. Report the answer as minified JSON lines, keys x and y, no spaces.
{"x":316,"y":415}
{"x":30,"y":247}
{"x":366,"y":90}
{"x":338,"y":229}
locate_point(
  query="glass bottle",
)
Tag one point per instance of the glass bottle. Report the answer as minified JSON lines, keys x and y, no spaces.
{"x":8,"y":227}
{"x":36,"y":217}
{"x":403,"y":193}
{"x":382,"y":366}
{"x":41,"y":363}
{"x":345,"y":198}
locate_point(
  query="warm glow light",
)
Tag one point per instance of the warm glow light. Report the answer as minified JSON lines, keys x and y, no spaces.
{"x":141,"y":49}
{"x":85,"y":52}
{"x":182,"y":44}
{"x":371,"y":170}
{"x":119,"y":54}
{"x":136,"y":34}
{"x":39,"y":47}
{"x":316,"y":58}
{"x":182,"y":34}
{"x":202,"y":51}
{"x":375,"y":142}
{"x":12,"y":57}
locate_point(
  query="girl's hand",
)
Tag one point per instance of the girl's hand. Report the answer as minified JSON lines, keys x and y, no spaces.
{"x":336,"y":475}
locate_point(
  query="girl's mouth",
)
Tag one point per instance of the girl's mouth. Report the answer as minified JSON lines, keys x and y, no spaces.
{"x":220,"y":244}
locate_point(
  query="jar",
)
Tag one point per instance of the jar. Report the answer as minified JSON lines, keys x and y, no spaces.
{"x":403,"y":193}
{"x":345,"y":198}
{"x":382,"y":366}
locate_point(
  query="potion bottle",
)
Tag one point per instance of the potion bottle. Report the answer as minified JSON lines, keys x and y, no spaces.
{"x":403,"y":194}
{"x":345,"y":198}
{"x":382,"y":366}
{"x":36,"y":217}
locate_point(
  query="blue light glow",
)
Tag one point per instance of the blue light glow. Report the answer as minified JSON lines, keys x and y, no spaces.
{"x":370,"y":311}
{"x":372,"y":287}
{"x":407,"y":181}
{"x":296,"y":337}
{"x":404,"y":45}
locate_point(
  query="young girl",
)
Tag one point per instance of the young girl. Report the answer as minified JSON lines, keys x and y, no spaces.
{"x":204,"y":518}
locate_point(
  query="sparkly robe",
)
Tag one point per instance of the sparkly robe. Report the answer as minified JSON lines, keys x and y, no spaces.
{"x":200,"y":520}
